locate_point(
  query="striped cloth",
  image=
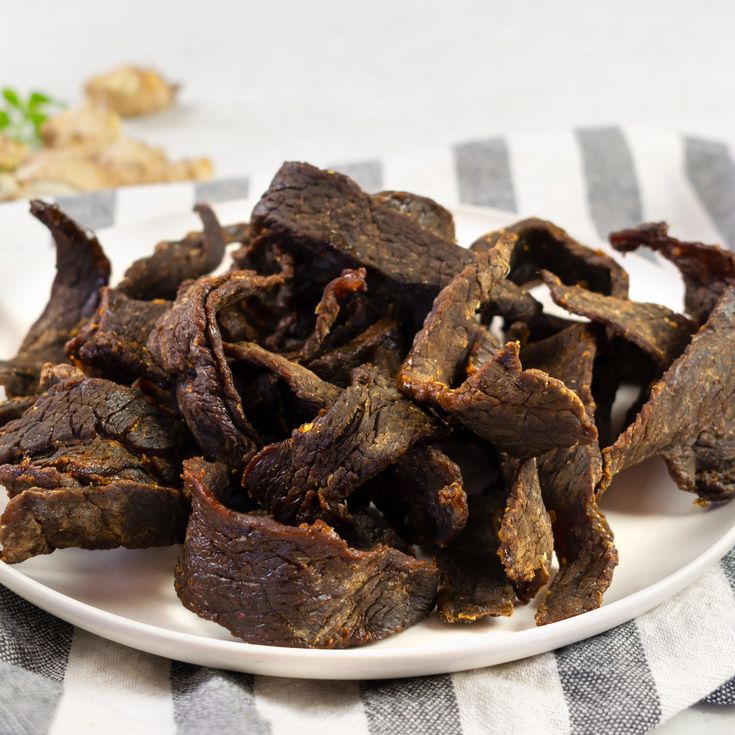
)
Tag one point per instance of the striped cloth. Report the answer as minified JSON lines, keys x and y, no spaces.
{"x":63,"y":680}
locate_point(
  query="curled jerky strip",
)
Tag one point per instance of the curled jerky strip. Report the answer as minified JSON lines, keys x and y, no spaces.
{"x":689,"y":418}
{"x":660,"y":332}
{"x":281,"y":585}
{"x":568,"y":478}
{"x":523,"y":412}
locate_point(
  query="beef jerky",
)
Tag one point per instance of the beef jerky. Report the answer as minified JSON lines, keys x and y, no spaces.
{"x":689,"y":418}
{"x":81,"y":270}
{"x":327,"y":310}
{"x":187,"y":344}
{"x":380,"y":343}
{"x":121,"y":513}
{"x":158,"y":276}
{"x":334,"y":225}
{"x":472,"y":582}
{"x":96,"y":431}
{"x":541,"y":245}
{"x":113,"y":342}
{"x":424,"y":211}
{"x":707,"y":270}
{"x":310,"y":475}
{"x":582,"y":538}
{"x":368,"y":527}
{"x":538,"y":327}
{"x":523,"y":412}
{"x":525,"y":537}
{"x":305,"y":385}
{"x":14,"y":408}
{"x":660,"y":332}
{"x":423,"y":496}
{"x":278,"y":585}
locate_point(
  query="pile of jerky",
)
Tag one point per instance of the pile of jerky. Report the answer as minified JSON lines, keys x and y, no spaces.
{"x":309,"y":419}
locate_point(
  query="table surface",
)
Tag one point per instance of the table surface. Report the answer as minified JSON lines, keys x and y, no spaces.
{"x":343,"y":81}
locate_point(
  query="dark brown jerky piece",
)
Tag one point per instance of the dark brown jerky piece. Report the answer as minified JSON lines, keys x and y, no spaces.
{"x":423,"y":495}
{"x":582,"y":538}
{"x":305,"y":385}
{"x":14,"y":408}
{"x":380,"y":343}
{"x":122,"y":513}
{"x":472,"y":582}
{"x":523,"y":412}
{"x":541,"y":245}
{"x":81,"y":270}
{"x":113,"y":342}
{"x":660,"y":332}
{"x":187,"y":343}
{"x":707,"y":269}
{"x":158,"y":276}
{"x":311,"y":475}
{"x":368,"y":527}
{"x":272,"y":584}
{"x":424,"y":211}
{"x":525,"y":537}
{"x":689,"y":418}
{"x":327,"y":310}
{"x":325,"y":215}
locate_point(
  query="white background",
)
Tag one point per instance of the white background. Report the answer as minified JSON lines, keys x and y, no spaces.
{"x":339,"y":81}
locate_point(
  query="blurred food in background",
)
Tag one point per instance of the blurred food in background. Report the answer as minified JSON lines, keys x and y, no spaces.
{"x":47,"y":148}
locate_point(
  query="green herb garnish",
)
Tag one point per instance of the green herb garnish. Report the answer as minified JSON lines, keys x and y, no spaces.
{"x":21,"y":119}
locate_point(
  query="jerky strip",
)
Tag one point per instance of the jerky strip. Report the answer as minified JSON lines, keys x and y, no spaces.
{"x":659,"y":332}
{"x":424,"y":211}
{"x":525,"y":536}
{"x":278,"y":585}
{"x":311,"y":475}
{"x":689,"y":418}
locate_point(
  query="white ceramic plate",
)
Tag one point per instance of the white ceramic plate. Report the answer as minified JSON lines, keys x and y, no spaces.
{"x":665,"y":542}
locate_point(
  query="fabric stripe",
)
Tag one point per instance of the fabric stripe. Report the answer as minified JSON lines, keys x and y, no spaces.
{"x":137,"y":204}
{"x":368,"y":174}
{"x":222,"y":190}
{"x":208,"y":700}
{"x":430,"y":173}
{"x":728,"y":567}
{"x":428,"y":704}
{"x":612,"y":187}
{"x":484,"y":176}
{"x":31,"y":638}
{"x":93,"y":210}
{"x":27,"y":701}
{"x":608,"y":684}
{"x":310,"y":707}
{"x":712,"y":173}
{"x":97,"y":697}
{"x":492,"y":695}
{"x":549,"y":181}
{"x":694,"y":618}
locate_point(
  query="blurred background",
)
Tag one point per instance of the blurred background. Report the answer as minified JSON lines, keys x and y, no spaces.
{"x":339,"y":81}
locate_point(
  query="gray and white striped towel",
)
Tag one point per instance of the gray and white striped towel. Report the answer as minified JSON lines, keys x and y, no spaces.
{"x":65,"y":681}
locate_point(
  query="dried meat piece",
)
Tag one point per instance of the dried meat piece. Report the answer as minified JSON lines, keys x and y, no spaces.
{"x":582,"y":538}
{"x":333,"y":224}
{"x":660,"y":332}
{"x":158,"y":276}
{"x":339,"y":289}
{"x":423,"y":496}
{"x":368,"y":527}
{"x":523,"y":412}
{"x":81,"y":270}
{"x":689,"y":418}
{"x":305,"y":385}
{"x":541,"y":245}
{"x":424,"y":211}
{"x":272,"y":584}
{"x":472,"y":581}
{"x":121,"y":513}
{"x":707,"y":270}
{"x":525,"y":537}
{"x":310,"y":475}
{"x":113,"y":342}
{"x":187,"y":344}
{"x":14,"y":408}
